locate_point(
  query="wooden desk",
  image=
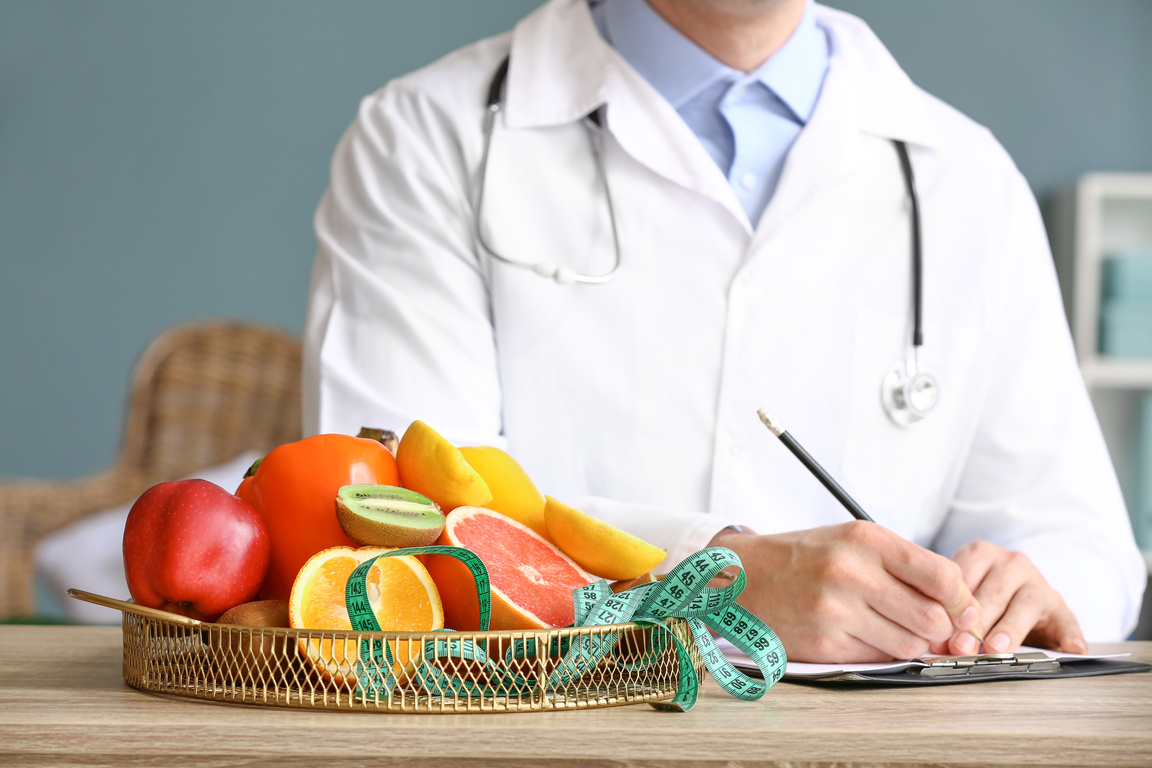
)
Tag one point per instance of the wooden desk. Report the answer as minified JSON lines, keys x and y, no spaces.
{"x":63,"y":702}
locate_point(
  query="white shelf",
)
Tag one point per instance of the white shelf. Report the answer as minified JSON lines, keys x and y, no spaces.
{"x":1101,"y":214}
{"x":1116,"y":372}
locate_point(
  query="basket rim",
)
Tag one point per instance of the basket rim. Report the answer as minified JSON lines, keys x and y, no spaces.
{"x":127,"y":606}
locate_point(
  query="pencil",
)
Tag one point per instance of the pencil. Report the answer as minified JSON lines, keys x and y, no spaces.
{"x":776,"y":428}
{"x":814,"y":466}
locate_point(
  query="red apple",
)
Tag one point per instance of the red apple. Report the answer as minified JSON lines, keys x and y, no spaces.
{"x":191,"y":547}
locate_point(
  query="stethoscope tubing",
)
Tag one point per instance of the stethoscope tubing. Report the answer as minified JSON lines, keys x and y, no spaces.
{"x":563,"y":275}
{"x":917,"y":251}
{"x":897,"y":385}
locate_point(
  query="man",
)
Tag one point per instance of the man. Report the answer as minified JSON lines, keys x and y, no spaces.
{"x":762,"y":227}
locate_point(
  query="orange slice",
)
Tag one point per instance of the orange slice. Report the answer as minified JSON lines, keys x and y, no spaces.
{"x":400,"y":591}
{"x":598,"y":547}
{"x":513,"y":492}
{"x":431,"y":465}
{"x":532,"y":580}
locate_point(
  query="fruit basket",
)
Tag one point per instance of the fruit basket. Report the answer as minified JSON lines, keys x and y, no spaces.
{"x":506,"y":671}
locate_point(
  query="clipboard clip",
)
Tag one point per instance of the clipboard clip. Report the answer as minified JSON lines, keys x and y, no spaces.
{"x":988,"y":664}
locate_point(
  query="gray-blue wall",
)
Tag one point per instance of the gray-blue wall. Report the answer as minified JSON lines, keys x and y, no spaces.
{"x":160,"y":162}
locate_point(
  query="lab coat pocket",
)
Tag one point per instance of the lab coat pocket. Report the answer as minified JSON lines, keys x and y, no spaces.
{"x":905,"y":475}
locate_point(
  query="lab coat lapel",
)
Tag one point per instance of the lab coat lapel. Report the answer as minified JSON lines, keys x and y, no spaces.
{"x":561,"y":69}
{"x":651,"y":131}
{"x":827,"y":150}
{"x":865,"y":95}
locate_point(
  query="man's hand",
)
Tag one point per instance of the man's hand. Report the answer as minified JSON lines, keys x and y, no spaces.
{"x":852,"y":593}
{"x":1018,"y":604}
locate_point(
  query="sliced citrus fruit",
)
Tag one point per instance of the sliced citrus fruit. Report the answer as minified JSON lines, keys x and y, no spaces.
{"x":598,"y":547}
{"x":431,"y":465}
{"x":513,"y":492}
{"x":532,"y":580}
{"x":399,"y":589}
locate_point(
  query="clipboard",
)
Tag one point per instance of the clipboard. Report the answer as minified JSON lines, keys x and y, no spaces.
{"x":951,"y":670}
{"x":1024,"y":664}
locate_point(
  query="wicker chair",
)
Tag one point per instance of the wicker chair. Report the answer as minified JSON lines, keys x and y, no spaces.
{"x":201,"y":394}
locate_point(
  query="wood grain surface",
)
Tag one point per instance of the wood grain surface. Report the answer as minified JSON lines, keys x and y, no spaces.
{"x":63,"y":702}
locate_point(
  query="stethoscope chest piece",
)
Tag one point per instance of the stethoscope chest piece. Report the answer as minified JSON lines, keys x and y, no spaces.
{"x":909,"y":395}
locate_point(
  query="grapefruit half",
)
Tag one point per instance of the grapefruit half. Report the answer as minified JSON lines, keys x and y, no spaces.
{"x":532,"y":580}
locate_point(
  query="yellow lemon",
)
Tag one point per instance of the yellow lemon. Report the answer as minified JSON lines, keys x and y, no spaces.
{"x":596,"y":546}
{"x":513,"y":492}
{"x":431,"y":465}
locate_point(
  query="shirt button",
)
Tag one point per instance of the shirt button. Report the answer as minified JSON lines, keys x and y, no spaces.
{"x":748,"y":180}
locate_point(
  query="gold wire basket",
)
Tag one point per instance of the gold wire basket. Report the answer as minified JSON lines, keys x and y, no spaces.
{"x":172,"y":654}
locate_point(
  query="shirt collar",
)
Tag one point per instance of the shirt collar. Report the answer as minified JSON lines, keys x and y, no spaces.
{"x":562,"y":69}
{"x":680,"y":70}
{"x":795,"y":73}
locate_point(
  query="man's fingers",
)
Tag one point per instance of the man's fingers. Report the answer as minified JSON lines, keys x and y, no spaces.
{"x":997,"y":582}
{"x":1023,"y":613}
{"x":1059,"y":630}
{"x":907,"y":608}
{"x":976,"y":559}
{"x":999,"y":588}
{"x":890,"y":639}
{"x":931,"y":574}
{"x":969,"y":617}
{"x":1019,"y":606}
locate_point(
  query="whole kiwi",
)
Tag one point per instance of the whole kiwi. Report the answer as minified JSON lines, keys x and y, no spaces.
{"x":258,"y":613}
{"x":251,"y":649}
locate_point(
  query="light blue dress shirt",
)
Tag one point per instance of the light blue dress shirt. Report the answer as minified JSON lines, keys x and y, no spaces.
{"x":746,"y":121}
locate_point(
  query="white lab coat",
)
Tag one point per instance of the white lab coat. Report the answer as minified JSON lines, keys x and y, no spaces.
{"x":637,"y":399}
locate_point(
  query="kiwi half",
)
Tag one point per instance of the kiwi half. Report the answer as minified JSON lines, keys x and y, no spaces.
{"x":387,"y":516}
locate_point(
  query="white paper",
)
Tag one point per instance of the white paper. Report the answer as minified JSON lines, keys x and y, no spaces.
{"x":800,"y":669}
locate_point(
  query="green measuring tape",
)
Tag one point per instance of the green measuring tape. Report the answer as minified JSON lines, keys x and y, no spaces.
{"x":683,"y":593}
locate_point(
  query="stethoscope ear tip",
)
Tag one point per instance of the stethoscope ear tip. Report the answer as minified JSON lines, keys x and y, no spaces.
{"x":546,"y":269}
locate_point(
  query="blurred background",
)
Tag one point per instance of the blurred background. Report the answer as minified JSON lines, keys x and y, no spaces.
{"x":160,"y":162}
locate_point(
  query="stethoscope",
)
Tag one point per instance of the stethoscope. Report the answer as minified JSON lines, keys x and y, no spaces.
{"x":907,"y":393}
{"x":547,"y":269}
